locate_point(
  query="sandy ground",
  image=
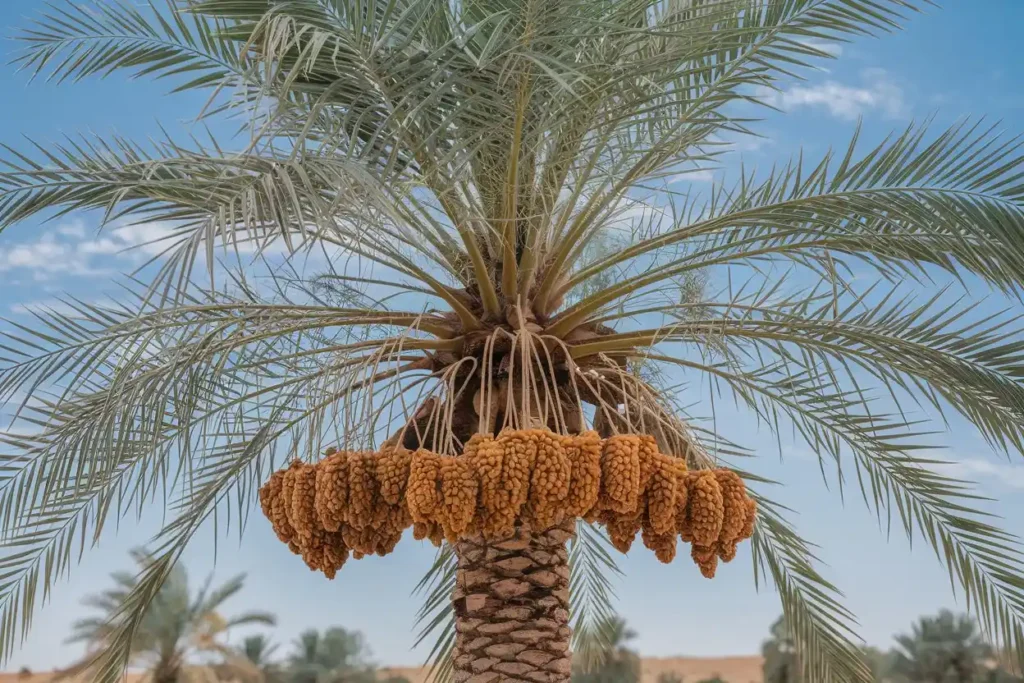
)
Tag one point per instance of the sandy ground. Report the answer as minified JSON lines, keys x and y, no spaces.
{"x":691,"y":669}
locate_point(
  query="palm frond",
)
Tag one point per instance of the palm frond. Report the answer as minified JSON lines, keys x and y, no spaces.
{"x":77,"y":41}
{"x":837,"y":425}
{"x":436,"y":619}
{"x":822,"y":628}
{"x":954,"y":202}
{"x":591,"y":593}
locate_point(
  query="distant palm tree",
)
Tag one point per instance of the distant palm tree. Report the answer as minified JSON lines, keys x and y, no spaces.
{"x":780,"y":658}
{"x":259,"y":651}
{"x":334,"y":656}
{"x":177,"y":629}
{"x":947,"y":648}
{"x":880,"y":662}
{"x":617,"y":663}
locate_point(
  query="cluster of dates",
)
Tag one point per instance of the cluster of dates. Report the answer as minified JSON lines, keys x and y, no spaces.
{"x":357,"y":503}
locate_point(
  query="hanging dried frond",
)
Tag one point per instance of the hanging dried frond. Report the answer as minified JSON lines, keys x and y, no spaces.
{"x":661,"y":496}
{"x":706,"y":559}
{"x":364,"y":501}
{"x":335,"y":554}
{"x":423,"y":493}
{"x":749,"y":520}
{"x":393,"y":474}
{"x":304,"y":517}
{"x":584,"y":453}
{"x":549,"y":484}
{"x":519,"y":452}
{"x":272,"y":502}
{"x":705,"y":508}
{"x":486,"y":455}
{"x":663,"y":544}
{"x":362,"y":490}
{"x":287,"y":490}
{"x":459,"y":488}
{"x":332,"y":490}
{"x":647,"y":452}
{"x":734,"y":512}
{"x":622,"y":528}
{"x":620,"y":474}
{"x":430,"y":531}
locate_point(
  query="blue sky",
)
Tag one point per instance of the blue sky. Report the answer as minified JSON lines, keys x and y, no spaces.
{"x":950,"y":62}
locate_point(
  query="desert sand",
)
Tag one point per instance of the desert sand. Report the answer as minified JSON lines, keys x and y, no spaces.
{"x":691,"y":669}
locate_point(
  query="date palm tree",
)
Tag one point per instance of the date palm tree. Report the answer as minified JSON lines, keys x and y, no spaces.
{"x":946,"y":648}
{"x":178,"y":626}
{"x":429,"y":190}
{"x":619,"y":663}
{"x":334,"y":656}
{"x":779,"y":651}
{"x":259,"y":652}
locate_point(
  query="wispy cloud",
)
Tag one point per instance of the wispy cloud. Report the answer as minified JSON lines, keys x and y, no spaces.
{"x":71,"y":249}
{"x":744,"y":142}
{"x":834,"y":49}
{"x":47,"y":257}
{"x":701,"y":175}
{"x":987,"y":472}
{"x":46,"y":306}
{"x":876,"y":93}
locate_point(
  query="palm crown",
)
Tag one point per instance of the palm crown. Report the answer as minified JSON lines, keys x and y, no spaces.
{"x":510,"y":163}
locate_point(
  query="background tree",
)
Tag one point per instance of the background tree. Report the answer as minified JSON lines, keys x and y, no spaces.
{"x":333,"y":656}
{"x":617,"y":663}
{"x":453,"y":161}
{"x":781,"y":663}
{"x":947,"y":648}
{"x":178,"y":629}
{"x":259,"y":651}
{"x":880,"y":662}
{"x":999,"y":675}
{"x":669,"y":677}
{"x":388,"y":677}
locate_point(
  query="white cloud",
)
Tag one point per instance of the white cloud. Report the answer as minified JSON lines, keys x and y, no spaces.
{"x":68,"y":250}
{"x":74,"y":229}
{"x":46,"y":306}
{"x":745,"y":143}
{"x":834,"y":49}
{"x":702,"y":175}
{"x":148,"y":238}
{"x":984,"y":471}
{"x":876,"y":93}
{"x":46,"y":257}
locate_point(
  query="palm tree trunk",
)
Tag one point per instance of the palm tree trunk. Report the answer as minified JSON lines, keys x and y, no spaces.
{"x":511,"y":605}
{"x":166,"y":675}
